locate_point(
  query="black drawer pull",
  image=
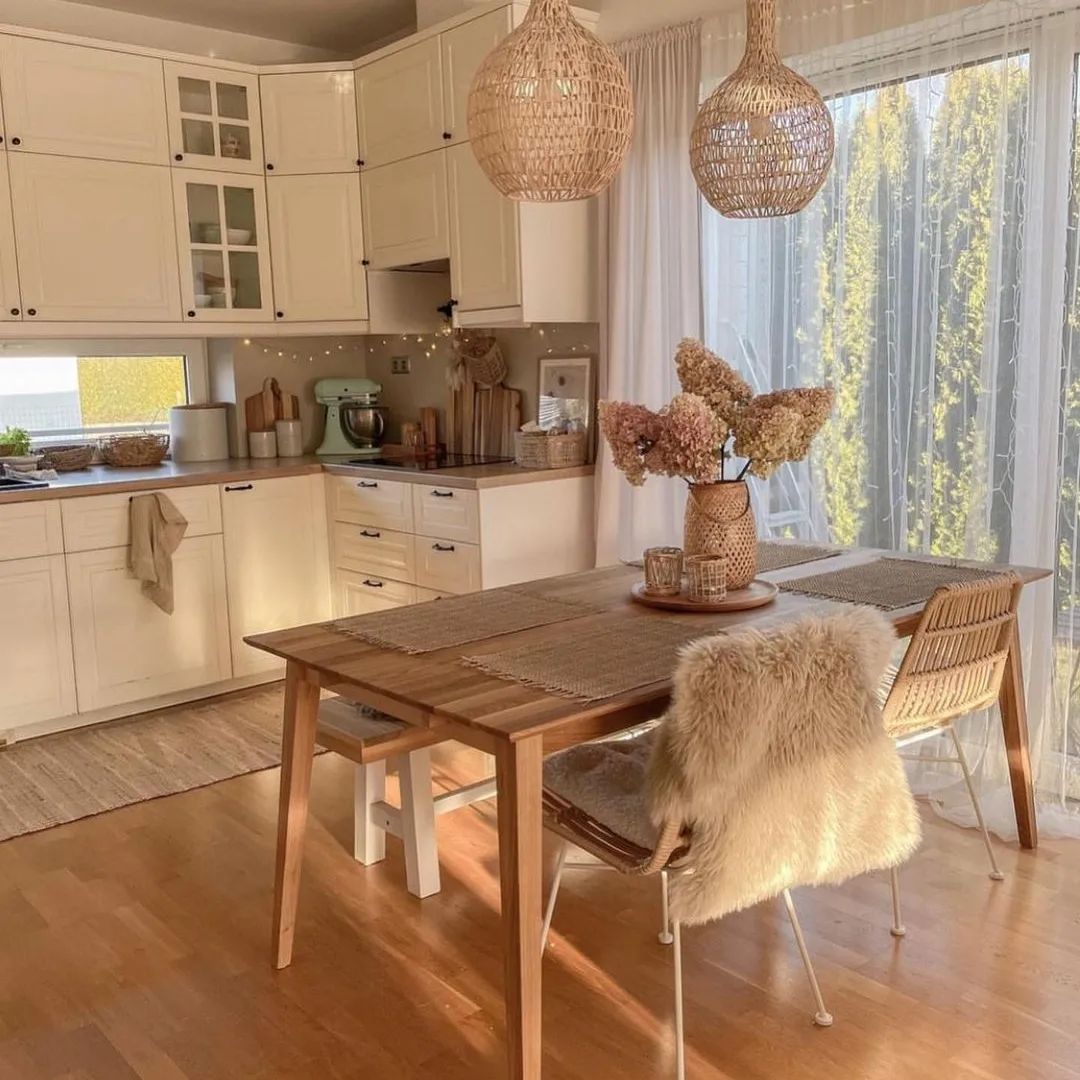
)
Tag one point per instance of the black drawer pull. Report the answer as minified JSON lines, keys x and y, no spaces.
{"x":442,"y":494}
{"x":367,"y":483}
{"x":373,"y":584}
{"x":443,"y":547}
{"x":241,"y":487}
{"x":370,"y":534}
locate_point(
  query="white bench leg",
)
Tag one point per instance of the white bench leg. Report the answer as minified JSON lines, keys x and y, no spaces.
{"x":418,"y":823}
{"x":369,"y":840}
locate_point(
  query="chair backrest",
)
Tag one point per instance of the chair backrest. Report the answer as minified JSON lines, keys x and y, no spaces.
{"x":956,"y":659}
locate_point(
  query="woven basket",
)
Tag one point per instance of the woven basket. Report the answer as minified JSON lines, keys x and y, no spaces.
{"x":67,"y":458}
{"x":128,"y":451}
{"x":534,"y":450}
{"x":720,"y":521}
{"x":484,"y":360}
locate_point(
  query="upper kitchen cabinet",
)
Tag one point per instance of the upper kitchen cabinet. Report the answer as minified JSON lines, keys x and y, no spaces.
{"x":317,"y":246}
{"x":464,"y":49}
{"x":309,"y":122}
{"x":222,"y":234}
{"x":405,"y":219}
{"x":96,"y":240}
{"x":213,"y":118}
{"x":83,"y":102}
{"x":10,"y":300}
{"x":400,"y":105}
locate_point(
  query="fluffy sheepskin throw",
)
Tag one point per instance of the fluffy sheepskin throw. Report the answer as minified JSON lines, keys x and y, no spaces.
{"x":774,"y":754}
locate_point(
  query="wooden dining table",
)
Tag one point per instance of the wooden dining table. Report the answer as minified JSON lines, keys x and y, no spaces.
{"x":519,"y":725}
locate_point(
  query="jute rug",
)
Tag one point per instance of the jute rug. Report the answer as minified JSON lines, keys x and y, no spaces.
{"x":458,"y":620}
{"x":886,"y":583}
{"x":77,"y":774}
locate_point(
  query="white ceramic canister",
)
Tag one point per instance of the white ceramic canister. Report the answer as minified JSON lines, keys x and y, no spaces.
{"x":262,"y":444}
{"x":198,"y":433}
{"x":290,"y":438}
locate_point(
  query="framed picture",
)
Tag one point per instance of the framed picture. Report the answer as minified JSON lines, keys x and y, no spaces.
{"x":566,"y":393}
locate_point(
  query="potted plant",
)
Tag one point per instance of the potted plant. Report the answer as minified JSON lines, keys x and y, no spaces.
{"x":14,"y":442}
{"x":716,"y":418}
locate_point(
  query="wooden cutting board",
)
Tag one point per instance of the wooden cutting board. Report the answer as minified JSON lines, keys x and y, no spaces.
{"x":263,"y":410}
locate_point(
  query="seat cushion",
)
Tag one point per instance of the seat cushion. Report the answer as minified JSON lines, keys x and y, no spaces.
{"x":608,"y":781}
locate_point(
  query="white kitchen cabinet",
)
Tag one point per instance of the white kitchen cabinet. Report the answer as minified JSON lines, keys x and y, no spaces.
{"x":29,"y":529}
{"x":276,"y":561}
{"x":446,"y":513}
{"x":317,"y":246}
{"x":446,"y":566}
{"x":10,"y":297}
{"x":363,"y":500}
{"x":83,"y":102}
{"x":405,"y":213}
{"x":214,"y":120}
{"x":96,"y":240}
{"x":39,"y":679}
{"x":309,"y":122}
{"x":223,"y":237}
{"x":464,"y":48}
{"x":360,"y":594}
{"x":126,"y":648}
{"x":485,"y":250}
{"x":399,"y":103}
{"x":366,"y":550}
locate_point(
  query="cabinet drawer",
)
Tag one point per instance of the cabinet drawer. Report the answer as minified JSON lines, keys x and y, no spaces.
{"x":366,"y":550}
{"x":386,"y":504}
{"x":447,"y":566}
{"x":446,"y":513}
{"x":358,"y":594}
{"x":101,"y":521}
{"x":28,"y":530}
{"x":424,"y":595}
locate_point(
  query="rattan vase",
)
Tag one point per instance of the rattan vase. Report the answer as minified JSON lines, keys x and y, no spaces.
{"x":720,"y":521}
{"x":762,"y":143}
{"x":550,"y":109}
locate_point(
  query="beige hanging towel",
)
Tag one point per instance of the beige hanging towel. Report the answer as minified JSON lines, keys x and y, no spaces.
{"x":157,"y":528}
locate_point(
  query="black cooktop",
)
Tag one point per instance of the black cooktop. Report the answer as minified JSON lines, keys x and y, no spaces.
{"x":442,"y":460}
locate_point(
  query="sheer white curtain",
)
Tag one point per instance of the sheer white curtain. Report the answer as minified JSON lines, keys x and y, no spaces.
{"x":654,"y":276}
{"x":927,"y":284}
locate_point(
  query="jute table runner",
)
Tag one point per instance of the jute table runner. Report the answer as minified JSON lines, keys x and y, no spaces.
{"x":883,"y":583}
{"x":772,"y":556}
{"x":598,"y":661}
{"x":457,"y":620}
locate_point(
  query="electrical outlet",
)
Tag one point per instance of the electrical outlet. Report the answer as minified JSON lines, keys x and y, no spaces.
{"x":400,"y":365}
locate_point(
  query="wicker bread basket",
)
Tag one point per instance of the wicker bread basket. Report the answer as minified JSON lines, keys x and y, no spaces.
{"x":128,"y":451}
{"x":67,"y":458}
{"x":536,"y":450}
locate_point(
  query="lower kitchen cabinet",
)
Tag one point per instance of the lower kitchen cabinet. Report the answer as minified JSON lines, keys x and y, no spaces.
{"x":360,"y":594}
{"x":126,"y":648}
{"x":276,"y":562}
{"x":39,"y":680}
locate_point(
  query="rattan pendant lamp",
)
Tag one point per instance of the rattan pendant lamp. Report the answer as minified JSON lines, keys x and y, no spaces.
{"x":550,"y":110}
{"x":762,"y":144}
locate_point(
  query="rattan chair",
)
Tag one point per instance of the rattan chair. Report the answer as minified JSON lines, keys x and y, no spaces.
{"x":953,"y":666}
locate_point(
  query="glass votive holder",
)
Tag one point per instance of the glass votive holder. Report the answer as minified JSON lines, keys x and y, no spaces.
{"x":706,"y":578}
{"x":663,"y":571}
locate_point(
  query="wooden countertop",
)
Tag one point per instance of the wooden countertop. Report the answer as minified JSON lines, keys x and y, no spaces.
{"x":103,"y":480}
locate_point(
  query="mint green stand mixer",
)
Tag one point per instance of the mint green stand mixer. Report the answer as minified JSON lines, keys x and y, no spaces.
{"x":355,"y":421}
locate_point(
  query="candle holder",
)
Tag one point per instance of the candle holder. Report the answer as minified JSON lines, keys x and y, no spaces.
{"x":706,"y":578}
{"x":663,"y":571}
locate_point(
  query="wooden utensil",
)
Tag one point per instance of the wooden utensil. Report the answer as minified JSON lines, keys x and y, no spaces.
{"x":429,"y":426}
{"x":264,"y":409}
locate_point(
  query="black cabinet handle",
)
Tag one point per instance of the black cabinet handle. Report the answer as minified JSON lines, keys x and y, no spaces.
{"x":367,"y":483}
{"x":31,"y":311}
{"x":371,"y":534}
{"x":443,"y":547}
{"x":373,"y":584}
{"x":442,"y":494}
{"x":269,"y":166}
{"x":16,"y":141}
{"x":14,"y":311}
{"x":365,"y":262}
{"x":178,"y":157}
{"x":447,"y":134}
{"x":241,"y":487}
{"x":191,"y":314}
{"x":1,"y":138}
{"x":359,"y":162}
{"x":280,"y":314}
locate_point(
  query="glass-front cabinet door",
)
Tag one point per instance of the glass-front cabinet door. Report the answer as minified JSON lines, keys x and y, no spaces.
{"x":214,"y":118}
{"x":224,"y":247}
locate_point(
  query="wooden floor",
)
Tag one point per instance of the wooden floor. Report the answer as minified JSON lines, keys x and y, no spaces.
{"x":136,"y":945}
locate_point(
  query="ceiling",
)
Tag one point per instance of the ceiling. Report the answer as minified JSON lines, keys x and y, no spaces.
{"x":340,"y":25}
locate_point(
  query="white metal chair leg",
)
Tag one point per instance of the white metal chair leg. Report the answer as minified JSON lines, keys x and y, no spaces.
{"x":418,"y":823}
{"x":823,"y":1018}
{"x":898,"y":929}
{"x":995,"y":871}
{"x":369,"y":840}
{"x":560,"y":864}
{"x":680,"y":1041}
{"x":666,"y":936}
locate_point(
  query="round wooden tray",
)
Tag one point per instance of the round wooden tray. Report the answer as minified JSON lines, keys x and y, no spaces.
{"x":757,"y":594}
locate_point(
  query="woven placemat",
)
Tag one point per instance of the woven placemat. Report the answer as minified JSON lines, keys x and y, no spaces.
{"x":458,"y":620}
{"x":773,"y":556}
{"x":598,"y":661}
{"x":884,"y":583}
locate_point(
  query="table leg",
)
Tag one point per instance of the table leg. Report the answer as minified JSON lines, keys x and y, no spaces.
{"x":1014,"y":721}
{"x":297,"y":753}
{"x":519,"y":773}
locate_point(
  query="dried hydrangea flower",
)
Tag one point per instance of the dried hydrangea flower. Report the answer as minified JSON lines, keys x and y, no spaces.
{"x":777,"y":428}
{"x":689,"y":442}
{"x":630,"y":431}
{"x":705,"y":374}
